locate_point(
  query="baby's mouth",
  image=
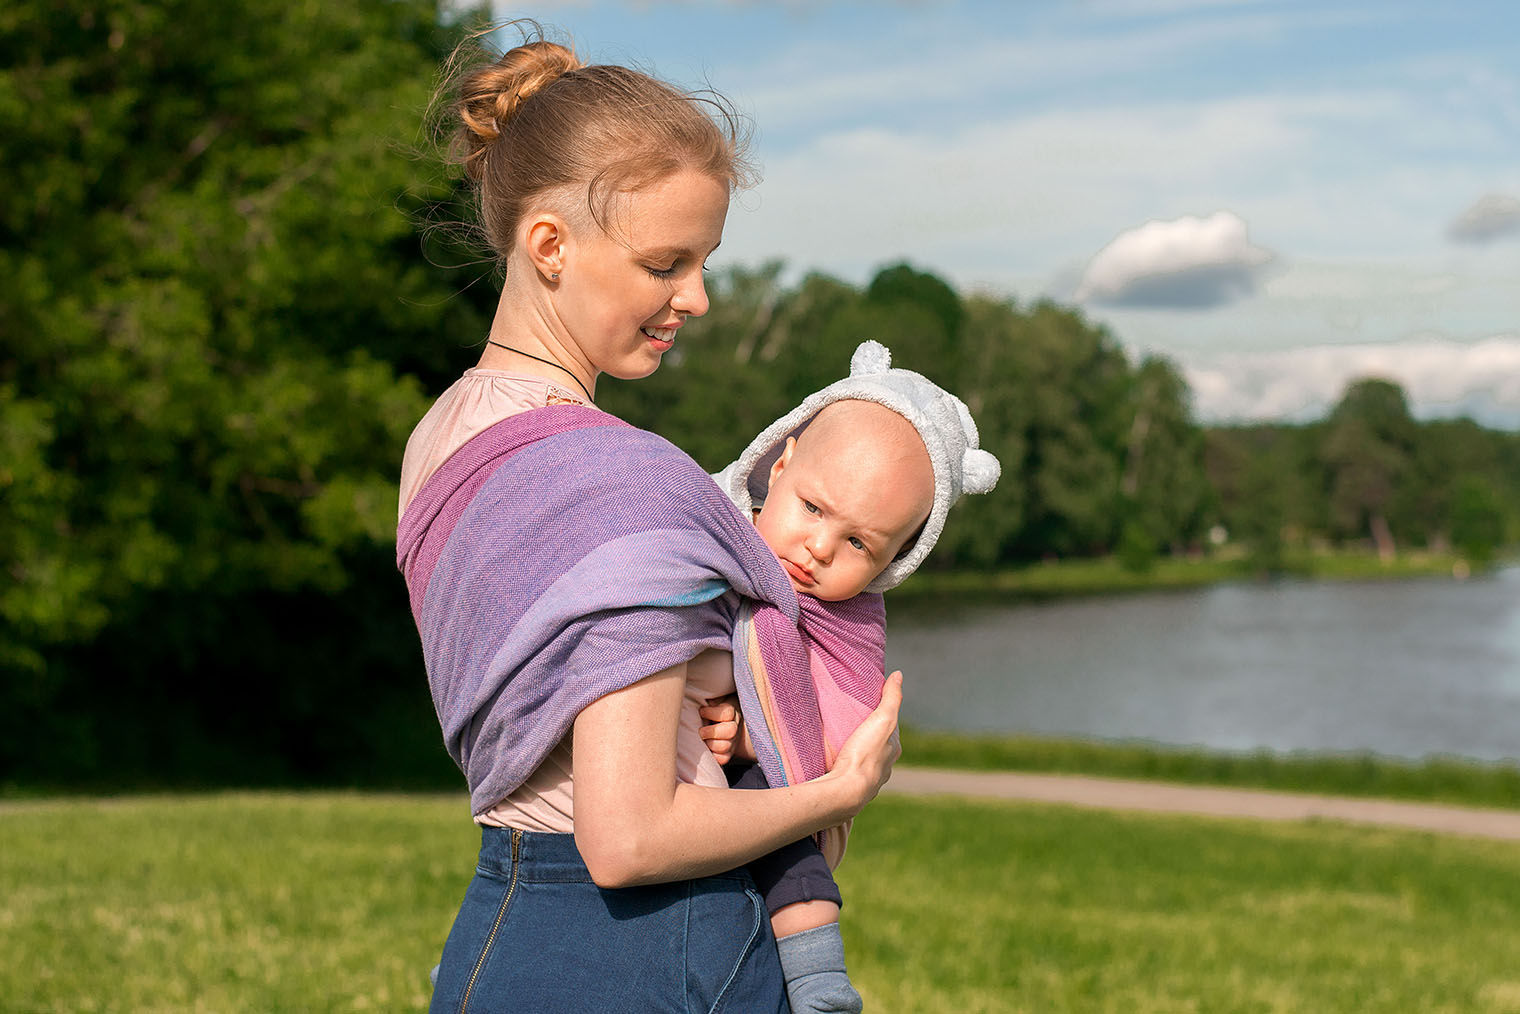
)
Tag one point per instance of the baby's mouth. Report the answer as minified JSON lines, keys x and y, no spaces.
{"x":797,"y":571}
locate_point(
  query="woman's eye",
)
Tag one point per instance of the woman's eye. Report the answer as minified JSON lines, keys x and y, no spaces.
{"x":810,"y":507}
{"x":662,"y":272}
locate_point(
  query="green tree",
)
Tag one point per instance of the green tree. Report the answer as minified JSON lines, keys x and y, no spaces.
{"x":1164,"y":490}
{"x":984,"y":530}
{"x":1477,"y":519}
{"x":1265,"y":481}
{"x":1075,"y":381}
{"x":1264,"y":517}
{"x":208,"y":273}
{"x":1448,"y":453}
{"x":1367,"y":451}
{"x":918,"y":293}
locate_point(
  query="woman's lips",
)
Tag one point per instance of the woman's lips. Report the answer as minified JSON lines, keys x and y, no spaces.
{"x":660,"y":337}
{"x":798,"y":572}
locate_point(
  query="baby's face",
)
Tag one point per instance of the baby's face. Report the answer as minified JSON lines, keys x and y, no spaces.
{"x":835,"y":520}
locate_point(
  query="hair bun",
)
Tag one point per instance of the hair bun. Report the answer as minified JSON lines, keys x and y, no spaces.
{"x":491,"y":97}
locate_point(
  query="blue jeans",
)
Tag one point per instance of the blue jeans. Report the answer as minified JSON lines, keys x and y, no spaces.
{"x":535,"y":934}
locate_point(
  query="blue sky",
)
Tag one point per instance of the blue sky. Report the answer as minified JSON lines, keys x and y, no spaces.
{"x":1280,"y":196}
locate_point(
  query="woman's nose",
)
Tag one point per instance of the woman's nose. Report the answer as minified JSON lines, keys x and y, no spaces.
{"x":690,"y":297}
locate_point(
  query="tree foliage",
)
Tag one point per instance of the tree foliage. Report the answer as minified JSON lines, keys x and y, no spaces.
{"x":1327,"y":482}
{"x":209,"y":276}
{"x":1367,"y":453}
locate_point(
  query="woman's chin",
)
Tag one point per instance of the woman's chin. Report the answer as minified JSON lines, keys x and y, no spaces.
{"x":635,"y":368}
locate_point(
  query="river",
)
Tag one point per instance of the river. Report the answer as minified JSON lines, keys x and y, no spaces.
{"x":1400,"y":668}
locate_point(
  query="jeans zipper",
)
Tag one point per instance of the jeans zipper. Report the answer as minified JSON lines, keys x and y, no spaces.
{"x":500,"y":914}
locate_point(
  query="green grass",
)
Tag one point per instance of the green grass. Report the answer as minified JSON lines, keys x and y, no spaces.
{"x":334,"y":902}
{"x":1438,"y":779}
{"x":1105,"y":575}
{"x":1007,"y":907}
{"x":236,"y":902}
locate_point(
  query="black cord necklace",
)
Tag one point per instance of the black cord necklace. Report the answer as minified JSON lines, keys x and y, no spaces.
{"x":546,"y":362}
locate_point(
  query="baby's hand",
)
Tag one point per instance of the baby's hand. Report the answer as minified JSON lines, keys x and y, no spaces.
{"x":723,"y":730}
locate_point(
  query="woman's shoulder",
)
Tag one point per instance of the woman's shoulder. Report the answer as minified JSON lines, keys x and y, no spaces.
{"x":471,"y":405}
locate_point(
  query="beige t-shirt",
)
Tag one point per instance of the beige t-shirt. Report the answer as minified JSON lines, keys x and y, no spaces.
{"x":545,"y":802}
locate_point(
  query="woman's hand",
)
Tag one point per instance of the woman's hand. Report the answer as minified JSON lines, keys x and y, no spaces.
{"x":636,"y":823}
{"x":865,"y":761}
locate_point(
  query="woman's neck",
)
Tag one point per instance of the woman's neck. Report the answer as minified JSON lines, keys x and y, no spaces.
{"x":524,"y":339}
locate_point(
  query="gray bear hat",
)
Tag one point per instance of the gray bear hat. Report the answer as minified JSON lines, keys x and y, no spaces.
{"x":941,"y":419}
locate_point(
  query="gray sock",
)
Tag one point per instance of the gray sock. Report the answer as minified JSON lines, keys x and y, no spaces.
{"x":816,"y":981}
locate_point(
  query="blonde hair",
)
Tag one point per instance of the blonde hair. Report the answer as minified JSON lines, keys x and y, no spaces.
{"x":537,"y":120}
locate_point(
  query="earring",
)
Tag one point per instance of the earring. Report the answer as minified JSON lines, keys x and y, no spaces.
{"x":554,"y":277}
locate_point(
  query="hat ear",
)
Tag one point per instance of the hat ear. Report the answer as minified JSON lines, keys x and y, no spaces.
{"x":968,"y":424}
{"x":979,"y":471}
{"x":870,"y":357}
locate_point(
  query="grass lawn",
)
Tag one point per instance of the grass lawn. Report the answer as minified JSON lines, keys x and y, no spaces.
{"x":316,"y":902}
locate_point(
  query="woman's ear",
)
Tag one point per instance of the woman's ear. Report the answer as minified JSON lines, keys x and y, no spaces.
{"x":544,"y":239}
{"x":783,"y":461}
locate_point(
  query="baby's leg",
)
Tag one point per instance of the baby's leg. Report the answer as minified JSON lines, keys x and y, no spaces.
{"x":800,"y":916}
{"x":803,"y":900}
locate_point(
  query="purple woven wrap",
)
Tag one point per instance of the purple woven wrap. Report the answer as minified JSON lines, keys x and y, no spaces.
{"x":561,"y":555}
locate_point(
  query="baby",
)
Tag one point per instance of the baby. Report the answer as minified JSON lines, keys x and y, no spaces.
{"x":860,"y":478}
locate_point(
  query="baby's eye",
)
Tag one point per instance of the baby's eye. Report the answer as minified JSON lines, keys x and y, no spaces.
{"x":857,"y":544}
{"x":810,"y":507}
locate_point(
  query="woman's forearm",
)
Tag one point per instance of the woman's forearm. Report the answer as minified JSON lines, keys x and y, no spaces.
{"x":707,"y":830}
{"x":635,"y":823}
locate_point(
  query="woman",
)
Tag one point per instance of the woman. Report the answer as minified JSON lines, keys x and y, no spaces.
{"x":550,"y":555}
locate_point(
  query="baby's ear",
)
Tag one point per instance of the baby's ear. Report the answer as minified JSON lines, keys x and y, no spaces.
{"x":784,"y":460}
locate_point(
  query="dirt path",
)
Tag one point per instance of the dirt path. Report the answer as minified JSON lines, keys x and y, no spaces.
{"x":1163,"y":797}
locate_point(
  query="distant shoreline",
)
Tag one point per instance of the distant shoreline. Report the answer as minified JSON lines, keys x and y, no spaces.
{"x":1107,"y":576}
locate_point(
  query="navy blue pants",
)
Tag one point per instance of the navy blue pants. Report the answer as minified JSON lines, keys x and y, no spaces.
{"x":535,"y":934}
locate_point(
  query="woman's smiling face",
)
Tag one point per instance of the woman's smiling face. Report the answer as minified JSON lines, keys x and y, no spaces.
{"x":622,"y":297}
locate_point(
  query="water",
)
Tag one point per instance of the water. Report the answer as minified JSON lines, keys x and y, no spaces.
{"x":1402,"y":668}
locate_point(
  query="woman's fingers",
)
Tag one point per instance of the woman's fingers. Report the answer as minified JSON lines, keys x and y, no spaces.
{"x":891,"y":695}
{"x":885,"y":714}
{"x":891,"y":704}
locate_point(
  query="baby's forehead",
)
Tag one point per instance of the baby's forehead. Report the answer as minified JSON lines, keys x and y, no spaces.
{"x":854,"y":430}
{"x":864,"y":444}
{"x":849,"y":424}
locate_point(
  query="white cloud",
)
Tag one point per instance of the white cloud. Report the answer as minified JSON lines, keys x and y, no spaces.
{"x":1185,"y":262}
{"x":1491,"y":217}
{"x":1441,"y":377}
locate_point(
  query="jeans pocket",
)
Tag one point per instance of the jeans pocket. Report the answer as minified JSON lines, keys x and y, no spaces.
{"x":731,"y":954}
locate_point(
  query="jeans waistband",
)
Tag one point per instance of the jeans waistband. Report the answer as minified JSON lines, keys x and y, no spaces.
{"x":547,"y":857}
